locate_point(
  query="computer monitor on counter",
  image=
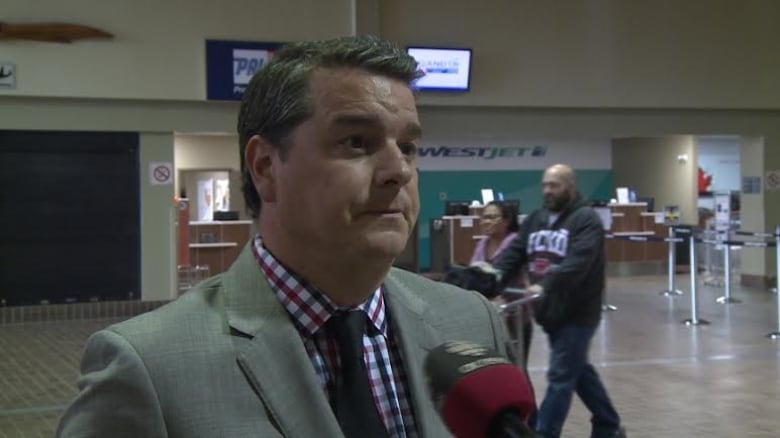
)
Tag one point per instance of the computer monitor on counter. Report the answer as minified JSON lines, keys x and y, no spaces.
{"x":456,"y":208}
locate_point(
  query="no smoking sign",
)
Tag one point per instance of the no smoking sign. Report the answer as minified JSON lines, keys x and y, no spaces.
{"x":160,"y":173}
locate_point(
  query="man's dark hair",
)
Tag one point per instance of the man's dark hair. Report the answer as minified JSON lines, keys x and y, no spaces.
{"x":277,"y":98}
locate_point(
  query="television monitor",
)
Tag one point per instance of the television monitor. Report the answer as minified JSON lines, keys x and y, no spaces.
{"x":444,"y":69}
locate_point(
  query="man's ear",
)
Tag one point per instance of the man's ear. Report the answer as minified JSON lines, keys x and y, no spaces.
{"x":259,"y":158}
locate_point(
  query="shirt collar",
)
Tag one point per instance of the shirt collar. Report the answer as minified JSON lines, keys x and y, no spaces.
{"x":307,"y":306}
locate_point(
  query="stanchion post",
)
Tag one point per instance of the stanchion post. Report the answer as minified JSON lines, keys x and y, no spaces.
{"x":694,"y":319}
{"x":671,"y":290}
{"x":605,"y":306}
{"x":727,"y":298}
{"x":776,"y":334}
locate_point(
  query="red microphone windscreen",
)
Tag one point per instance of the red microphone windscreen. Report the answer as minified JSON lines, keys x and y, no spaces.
{"x":477,"y":398}
{"x":471,"y":386}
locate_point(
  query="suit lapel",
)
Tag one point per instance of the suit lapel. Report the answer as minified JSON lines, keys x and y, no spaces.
{"x":271,"y":354}
{"x":417,"y":338}
{"x":272,"y":357}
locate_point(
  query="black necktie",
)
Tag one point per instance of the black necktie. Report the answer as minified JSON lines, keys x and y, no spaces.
{"x":353,"y":401}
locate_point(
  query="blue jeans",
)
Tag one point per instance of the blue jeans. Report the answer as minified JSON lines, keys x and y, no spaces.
{"x":571,"y":372}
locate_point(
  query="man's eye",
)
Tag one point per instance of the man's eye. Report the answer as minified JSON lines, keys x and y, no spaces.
{"x":409,"y":149}
{"x":355,"y":142}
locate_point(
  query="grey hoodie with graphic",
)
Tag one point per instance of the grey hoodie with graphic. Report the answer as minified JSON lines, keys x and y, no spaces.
{"x":565,"y":257}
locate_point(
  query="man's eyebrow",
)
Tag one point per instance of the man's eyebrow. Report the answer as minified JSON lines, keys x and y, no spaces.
{"x":411,"y":129}
{"x":356,"y":120}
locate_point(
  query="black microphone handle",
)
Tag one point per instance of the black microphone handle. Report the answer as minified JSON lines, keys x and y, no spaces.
{"x":508,"y":424}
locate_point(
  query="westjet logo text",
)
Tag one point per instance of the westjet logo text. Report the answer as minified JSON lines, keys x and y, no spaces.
{"x":487,"y":153}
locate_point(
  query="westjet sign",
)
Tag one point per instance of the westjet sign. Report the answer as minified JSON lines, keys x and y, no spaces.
{"x":487,"y":153}
{"x":522,"y":154}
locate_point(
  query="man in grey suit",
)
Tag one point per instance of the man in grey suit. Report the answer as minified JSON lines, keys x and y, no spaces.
{"x":328,"y":135}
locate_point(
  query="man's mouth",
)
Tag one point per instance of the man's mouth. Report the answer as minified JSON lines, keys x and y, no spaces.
{"x":390,"y":212}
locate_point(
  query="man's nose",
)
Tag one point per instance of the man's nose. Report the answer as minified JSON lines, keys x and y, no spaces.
{"x":393,"y":167}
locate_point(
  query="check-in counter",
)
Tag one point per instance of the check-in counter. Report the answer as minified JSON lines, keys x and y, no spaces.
{"x":453,"y":239}
{"x":216,"y":244}
{"x":634,"y":220}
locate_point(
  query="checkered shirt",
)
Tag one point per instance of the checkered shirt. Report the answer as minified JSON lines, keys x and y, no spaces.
{"x":309,"y":310}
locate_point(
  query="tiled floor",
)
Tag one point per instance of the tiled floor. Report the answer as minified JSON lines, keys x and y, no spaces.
{"x":670,"y":380}
{"x":667,"y":379}
{"x":38,"y":368}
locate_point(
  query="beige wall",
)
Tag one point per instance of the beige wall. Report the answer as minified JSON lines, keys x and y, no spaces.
{"x":650,"y":166}
{"x":158,"y":254}
{"x":771,"y":162}
{"x":159,"y":47}
{"x":578,"y":53}
{"x":17,"y":112}
{"x":752,"y":206}
{"x":603,"y":53}
{"x":206,"y":151}
{"x":771,"y":200}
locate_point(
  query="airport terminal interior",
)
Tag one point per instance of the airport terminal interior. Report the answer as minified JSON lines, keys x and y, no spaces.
{"x":120,"y":186}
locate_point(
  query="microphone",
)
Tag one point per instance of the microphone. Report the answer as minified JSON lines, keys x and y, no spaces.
{"x":479,"y":393}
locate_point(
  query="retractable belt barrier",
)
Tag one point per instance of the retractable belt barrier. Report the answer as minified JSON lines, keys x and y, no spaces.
{"x":636,"y":238}
{"x":671,"y":290}
{"x":727,"y":244}
{"x":752,"y":233}
{"x":738,"y":243}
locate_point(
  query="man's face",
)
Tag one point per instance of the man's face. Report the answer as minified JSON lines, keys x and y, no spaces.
{"x":556,"y":191}
{"x":348,"y":185}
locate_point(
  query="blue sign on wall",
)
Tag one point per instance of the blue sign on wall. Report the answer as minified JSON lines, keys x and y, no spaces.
{"x":231,"y":64}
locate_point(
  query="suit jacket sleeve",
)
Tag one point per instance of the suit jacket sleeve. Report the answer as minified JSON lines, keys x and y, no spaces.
{"x":500,"y":339}
{"x":116,"y":395}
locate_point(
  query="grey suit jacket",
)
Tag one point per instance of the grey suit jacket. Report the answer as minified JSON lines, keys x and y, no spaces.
{"x":224,"y":360}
